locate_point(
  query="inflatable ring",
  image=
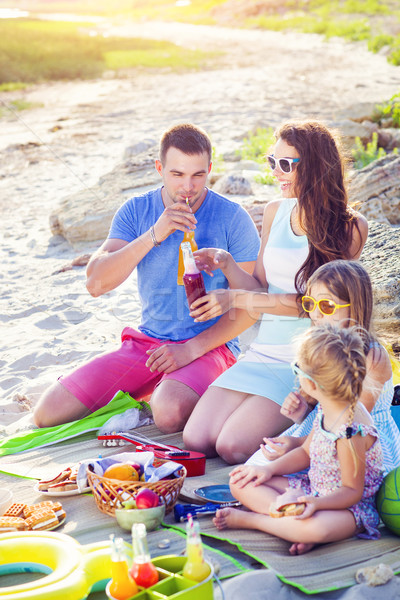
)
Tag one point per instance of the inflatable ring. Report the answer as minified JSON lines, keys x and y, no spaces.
{"x":71,"y":571}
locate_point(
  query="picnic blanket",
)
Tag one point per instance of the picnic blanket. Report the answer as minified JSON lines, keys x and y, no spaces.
{"x":328,"y":567}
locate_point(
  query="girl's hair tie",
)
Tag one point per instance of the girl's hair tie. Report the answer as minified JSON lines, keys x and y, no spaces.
{"x":349,"y":432}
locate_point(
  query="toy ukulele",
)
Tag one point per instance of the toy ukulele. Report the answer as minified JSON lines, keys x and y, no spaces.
{"x":194,"y":462}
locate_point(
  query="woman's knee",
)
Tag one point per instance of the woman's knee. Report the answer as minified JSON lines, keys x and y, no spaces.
{"x":230,"y":447}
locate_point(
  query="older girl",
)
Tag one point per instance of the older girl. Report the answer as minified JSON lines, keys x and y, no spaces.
{"x":340,"y":292}
{"x":311,"y":225}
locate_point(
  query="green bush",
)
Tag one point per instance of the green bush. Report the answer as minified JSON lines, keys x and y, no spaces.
{"x":391,"y":109}
{"x":364,"y":155}
{"x":394,"y":55}
{"x":255,"y":147}
{"x":379,"y":41}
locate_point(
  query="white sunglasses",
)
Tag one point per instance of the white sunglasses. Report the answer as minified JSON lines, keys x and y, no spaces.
{"x":285,"y":164}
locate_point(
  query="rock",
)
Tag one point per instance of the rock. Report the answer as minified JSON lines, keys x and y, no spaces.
{"x":362,"y":111}
{"x":381,"y":259}
{"x":233,"y":183}
{"x":376,"y":189}
{"x":256,"y":212}
{"x":140,"y":147}
{"x":86,"y":216}
{"x":389,"y":138}
{"x":375,"y":575}
{"x":350,"y":130}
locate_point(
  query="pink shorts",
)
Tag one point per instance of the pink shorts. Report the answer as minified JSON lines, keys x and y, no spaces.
{"x":95,"y":383}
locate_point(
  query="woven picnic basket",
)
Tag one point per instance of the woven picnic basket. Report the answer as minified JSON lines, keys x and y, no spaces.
{"x":110,"y":493}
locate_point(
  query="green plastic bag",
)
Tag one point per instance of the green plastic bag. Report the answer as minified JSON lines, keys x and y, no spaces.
{"x":46,"y":436}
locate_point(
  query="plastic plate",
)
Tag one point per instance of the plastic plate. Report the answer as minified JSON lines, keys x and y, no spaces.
{"x":216,"y":493}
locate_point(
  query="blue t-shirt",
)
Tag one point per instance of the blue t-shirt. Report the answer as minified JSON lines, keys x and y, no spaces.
{"x":221,"y":223}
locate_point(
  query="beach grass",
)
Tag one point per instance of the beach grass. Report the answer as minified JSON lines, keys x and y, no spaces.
{"x":255,"y":147}
{"x":34,"y":50}
{"x":15,"y":106}
{"x":376,"y":22}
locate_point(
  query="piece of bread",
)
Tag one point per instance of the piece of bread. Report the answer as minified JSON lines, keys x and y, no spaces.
{"x":63,"y":486}
{"x":12,"y":524}
{"x":15,"y":510}
{"x":288,"y":510}
{"x":43,"y":518}
{"x":44,"y":484}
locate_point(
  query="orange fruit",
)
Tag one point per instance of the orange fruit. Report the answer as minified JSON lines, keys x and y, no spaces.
{"x":122,"y":472}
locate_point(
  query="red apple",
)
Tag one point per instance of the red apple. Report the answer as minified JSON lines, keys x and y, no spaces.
{"x":137,"y":467}
{"x":146,"y":498}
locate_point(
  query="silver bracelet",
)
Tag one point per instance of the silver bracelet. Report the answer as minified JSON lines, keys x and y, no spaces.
{"x":153,"y":237}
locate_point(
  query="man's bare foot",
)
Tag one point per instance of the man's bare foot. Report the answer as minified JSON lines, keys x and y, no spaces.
{"x":300,"y":548}
{"x":228,"y":518}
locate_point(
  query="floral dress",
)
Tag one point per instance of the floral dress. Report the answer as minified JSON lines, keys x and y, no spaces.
{"x":324,"y":475}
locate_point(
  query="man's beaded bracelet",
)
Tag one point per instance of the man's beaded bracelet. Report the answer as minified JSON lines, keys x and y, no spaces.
{"x":153,"y":237}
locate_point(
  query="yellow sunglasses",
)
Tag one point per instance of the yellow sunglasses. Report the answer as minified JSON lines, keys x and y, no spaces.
{"x":327,"y":307}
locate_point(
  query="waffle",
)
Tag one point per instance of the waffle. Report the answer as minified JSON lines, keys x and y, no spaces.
{"x":12,"y":524}
{"x":42,"y":518}
{"x":56,"y":507}
{"x":15,"y":510}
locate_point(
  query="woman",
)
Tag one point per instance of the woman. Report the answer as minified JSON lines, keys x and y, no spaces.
{"x":311,"y":225}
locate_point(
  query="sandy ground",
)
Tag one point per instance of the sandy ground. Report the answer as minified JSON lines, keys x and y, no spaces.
{"x":49,"y":323}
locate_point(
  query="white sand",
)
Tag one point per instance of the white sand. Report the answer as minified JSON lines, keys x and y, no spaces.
{"x":49,"y":321}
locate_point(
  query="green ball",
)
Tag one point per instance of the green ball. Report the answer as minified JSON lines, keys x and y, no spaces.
{"x":388,"y":501}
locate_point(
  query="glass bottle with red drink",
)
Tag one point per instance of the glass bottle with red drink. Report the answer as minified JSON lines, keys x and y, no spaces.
{"x":193,"y":278}
{"x":143,"y":571}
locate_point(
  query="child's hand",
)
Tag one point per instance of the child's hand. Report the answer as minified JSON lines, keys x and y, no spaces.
{"x":246,"y":474}
{"x":294,"y":407}
{"x":311,"y":506}
{"x":273,"y":448}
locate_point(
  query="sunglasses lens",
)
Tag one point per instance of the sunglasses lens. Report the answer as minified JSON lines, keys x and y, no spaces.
{"x":308,"y":304}
{"x":272,"y":162}
{"x":327,"y":307}
{"x":285,"y":165}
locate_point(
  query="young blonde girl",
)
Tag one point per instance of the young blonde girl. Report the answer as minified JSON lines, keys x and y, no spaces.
{"x":342,"y":452}
{"x":343,"y":288}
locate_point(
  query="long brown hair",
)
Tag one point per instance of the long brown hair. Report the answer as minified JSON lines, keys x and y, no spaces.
{"x":324,"y":213}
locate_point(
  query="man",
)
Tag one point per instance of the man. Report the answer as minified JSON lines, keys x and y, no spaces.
{"x":172,"y":357}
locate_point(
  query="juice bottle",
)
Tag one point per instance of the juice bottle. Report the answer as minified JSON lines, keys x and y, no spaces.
{"x":143,"y":571}
{"x":195,"y":567}
{"x":192,"y":278}
{"x":188,"y":236}
{"x":122,"y":586}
